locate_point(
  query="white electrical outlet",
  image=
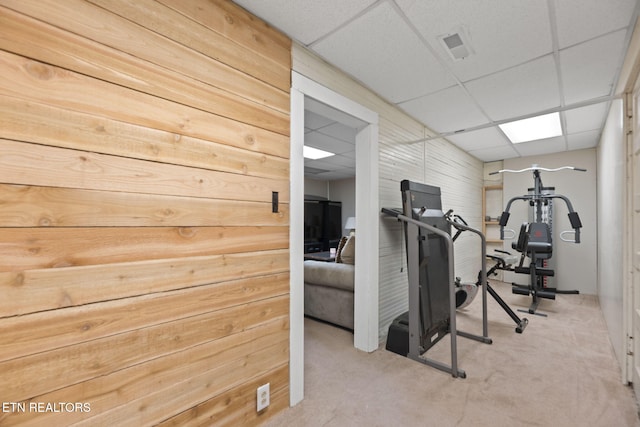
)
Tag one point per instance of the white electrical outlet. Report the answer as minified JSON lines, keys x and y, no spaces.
{"x":263,"y":397}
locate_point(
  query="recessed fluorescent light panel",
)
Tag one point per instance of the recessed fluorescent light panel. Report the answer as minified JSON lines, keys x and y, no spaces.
{"x":314,"y":153}
{"x":534,"y":128}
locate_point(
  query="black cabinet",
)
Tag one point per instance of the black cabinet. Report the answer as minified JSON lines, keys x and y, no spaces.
{"x":322,"y":225}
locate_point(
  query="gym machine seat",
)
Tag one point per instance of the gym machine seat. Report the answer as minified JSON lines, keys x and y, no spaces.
{"x":534,"y":241}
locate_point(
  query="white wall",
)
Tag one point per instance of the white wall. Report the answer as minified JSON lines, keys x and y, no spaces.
{"x":435,"y":162}
{"x":315,"y":187}
{"x":397,"y":162}
{"x":611,"y":195}
{"x":344,"y":190}
{"x":575,"y":264}
{"x":460,"y":178}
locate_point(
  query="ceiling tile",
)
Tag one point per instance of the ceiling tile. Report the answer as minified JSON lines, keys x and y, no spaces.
{"x":494,"y":153}
{"x":392,"y":60}
{"x":479,"y":139}
{"x":541,"y":146}
{"x":305,"y":21}
{"x":392,"y":47}
{"x":341,"y":132}
{"x":502,"y":33}
{"x":325,"y":142}
{"x":578,"y":141}
{"x":334,"y":175}
{"x":445,"y":111}
{"x":586,"y":118}
{"x":315,"y":121}
{"x":580,"y":20}
{"x":331,"y":163}
{"x":589,"y":69}
{"x":521,"y":90}
{"x":334,"y":115}
{"x":343,"y":162}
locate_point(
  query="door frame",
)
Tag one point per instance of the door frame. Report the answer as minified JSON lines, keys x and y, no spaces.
{"x":367,"y":214}
{"x":632,"y":246}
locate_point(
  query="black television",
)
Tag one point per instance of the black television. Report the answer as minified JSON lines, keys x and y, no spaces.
{"x":322,"y":225}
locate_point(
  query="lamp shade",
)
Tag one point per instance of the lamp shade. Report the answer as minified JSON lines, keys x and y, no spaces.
{"x":351,"y":223}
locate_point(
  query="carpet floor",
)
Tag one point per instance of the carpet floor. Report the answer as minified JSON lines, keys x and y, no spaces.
{"x":560,"y":372}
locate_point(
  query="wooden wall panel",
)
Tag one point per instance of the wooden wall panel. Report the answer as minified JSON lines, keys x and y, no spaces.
{"x":183,"y":29}
{"x":43,"y":372}
{"x":87,"y":170}
{"x":107,"y":28}
{"x":33,"y":206}
{"x":219,"y":360}
{"x":235,"y":408}
{"x":28,"y":121}
{"x":51,"y":45}
{"x":60,"y":328}
{"x":40,"y":82}
{"x":144,"y":271}
{"x":52,"y":288}
{"x":24,"y":249}
{"x":243,"y":28}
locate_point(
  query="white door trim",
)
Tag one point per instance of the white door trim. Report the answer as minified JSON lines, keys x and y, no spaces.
{"x":367,"y":214}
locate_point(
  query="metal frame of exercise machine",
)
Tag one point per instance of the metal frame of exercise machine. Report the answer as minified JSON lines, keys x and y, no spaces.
{"x":503,"y":261}
{"x":432,"y":302}
{"x":539,"y":247}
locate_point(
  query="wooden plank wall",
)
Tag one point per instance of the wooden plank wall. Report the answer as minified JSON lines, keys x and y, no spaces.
{"x":144,"y":277}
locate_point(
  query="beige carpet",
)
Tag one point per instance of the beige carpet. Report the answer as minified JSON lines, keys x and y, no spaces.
{"x":560,"y":372}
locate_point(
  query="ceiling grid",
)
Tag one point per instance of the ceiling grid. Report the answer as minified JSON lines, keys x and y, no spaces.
{"x":528,"y":59}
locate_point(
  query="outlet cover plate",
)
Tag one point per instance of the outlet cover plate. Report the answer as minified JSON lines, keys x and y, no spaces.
{"x":263,"y":397}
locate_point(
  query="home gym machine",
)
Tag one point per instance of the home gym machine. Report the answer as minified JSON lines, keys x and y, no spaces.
{"x":432,"y":302}
{"x":535,"y":237}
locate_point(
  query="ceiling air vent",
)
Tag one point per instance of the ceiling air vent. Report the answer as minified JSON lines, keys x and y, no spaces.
{"x":456,"y":44}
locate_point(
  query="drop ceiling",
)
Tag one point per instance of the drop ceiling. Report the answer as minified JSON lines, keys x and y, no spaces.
{"x":331,"y":130}
{"x":527,"y":58}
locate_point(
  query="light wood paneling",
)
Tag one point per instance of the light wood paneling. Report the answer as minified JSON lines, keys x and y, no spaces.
{"x":44,"y":247}
{"x":46,"y":43}
{"x":187,"y":28}
{"x":28,"y":206}
{"x":80,"y":323}
{"x":241,"y":27}
{"x":29,"y":121}
{"x":86,"y":170}
{"x":92,"y":22}
{"x":224,"y":412}
{"x":52,"y":288}
{"x":144,"y":270}
{"x":43,"y":83}
{"x":219,"y":360}
{"x":40,"y":373}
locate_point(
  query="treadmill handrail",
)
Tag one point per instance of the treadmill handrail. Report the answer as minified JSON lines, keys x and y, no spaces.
{"x":483,"y":273}
{"x":412,"y":229}
{"x":414,"y":352}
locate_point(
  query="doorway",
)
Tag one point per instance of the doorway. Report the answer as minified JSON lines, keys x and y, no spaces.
{"x":367,"y":212}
